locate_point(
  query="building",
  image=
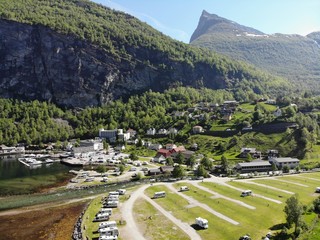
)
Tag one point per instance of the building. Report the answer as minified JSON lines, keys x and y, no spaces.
{"x":287,"y":161}
{"x":254,"y":166}
{"x":252,"y":151}
{"x":4,"y":150}
{"x":155,"y":146}
{"x":162,"y":131}
{"x":123,"y":136}
{"x":164,"y":152}
{"x":166,"y":169}
{"x":151,"y":131}
{"x":170,"y":146}
{"x":154,"y":171}
{"x":132,"y":132}
{"x":159,"y":159}
{"x":88,"y":146}
{"x":197,"y":129}
{"x":277,"y":112}
{"x":110,"y":135}
{"x":173,"y":131}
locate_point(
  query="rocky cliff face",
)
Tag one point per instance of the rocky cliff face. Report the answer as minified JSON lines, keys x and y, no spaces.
{"x":39,"y":63}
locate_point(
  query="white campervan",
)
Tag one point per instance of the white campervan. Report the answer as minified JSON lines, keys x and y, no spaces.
{"x":101,"y":217}
{"x":108,"y":224}
{"x":159,"y":194}
{"x":184,"y":188}
{"x":106,"y":210}
{"x":109,"y":231}
{"x":201,"y":222}
{"x":246,"y":193}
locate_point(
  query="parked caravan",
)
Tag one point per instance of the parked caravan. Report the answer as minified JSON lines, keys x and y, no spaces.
{"x":104,"y":237}
{"x":114,"y":193}
{"x":107,"y":224}
{"x":109,"y":231}
{"x":106,"y":210}
{"x":184,"y":188}
{"x":111,"y":204}
{"x":121,"y":191}
{"x":246,"y":193}
{"x":101,"y":217}
{"x":159,"y":194}
{"x":201,"y":222}
{"x":112,"y":198}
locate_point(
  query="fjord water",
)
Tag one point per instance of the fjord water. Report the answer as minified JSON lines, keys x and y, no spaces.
{"x":11,"y":168}
{"x":17,"y":178}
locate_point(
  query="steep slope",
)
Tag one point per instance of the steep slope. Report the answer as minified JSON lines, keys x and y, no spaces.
{"x":292,"y":56}
{"x":78,"y":53}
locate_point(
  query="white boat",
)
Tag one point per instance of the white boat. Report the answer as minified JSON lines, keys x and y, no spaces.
{"x":35,"y":162}
{"x":48,"y":160}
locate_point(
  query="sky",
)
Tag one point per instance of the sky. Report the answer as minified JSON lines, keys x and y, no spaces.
{"x":179,"y":18}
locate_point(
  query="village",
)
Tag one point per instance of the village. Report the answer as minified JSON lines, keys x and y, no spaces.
{"x":168,"y":169}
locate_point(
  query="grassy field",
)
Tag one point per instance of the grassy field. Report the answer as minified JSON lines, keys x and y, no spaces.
{"x":266,"y":216}
{"x":148,"y":219}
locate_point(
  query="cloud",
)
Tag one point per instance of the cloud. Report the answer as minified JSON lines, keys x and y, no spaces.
{"x":177,"y":34}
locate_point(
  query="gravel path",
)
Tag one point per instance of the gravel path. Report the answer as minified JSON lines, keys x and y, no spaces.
{"x":263,"y":185}
{"x":131,"y":230}
{"x":256,"y":195}
{"x":298,"y":184}
{"x":194,"y":202}
{"x":217,"y":195}
{"x":182,"y":225}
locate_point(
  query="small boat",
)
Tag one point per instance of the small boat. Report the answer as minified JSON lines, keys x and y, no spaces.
{"x":48,"y":160}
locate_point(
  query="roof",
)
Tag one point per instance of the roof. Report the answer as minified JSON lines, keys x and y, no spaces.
{"x":180,"y":149}
{"x":285,"y":160}
{"x":154,"y":170}
{"x":162,"y":150}
{"x":254,"y":164}
{"x":166,"y":168}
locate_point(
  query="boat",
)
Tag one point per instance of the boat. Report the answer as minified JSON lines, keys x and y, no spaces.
{"x":48,"y":160}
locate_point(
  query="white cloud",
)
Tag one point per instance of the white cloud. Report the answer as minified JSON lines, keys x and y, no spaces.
{"x":177,"y":34}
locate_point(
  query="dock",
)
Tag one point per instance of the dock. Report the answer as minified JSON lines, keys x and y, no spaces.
{"x":24,"y":162}
{"x":72,"y":161}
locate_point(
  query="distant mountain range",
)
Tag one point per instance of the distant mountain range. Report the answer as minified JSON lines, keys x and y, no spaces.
{"x":77,"y":53}
{"x":294,"y":57}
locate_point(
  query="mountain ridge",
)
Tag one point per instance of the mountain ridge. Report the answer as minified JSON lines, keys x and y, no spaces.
{"x":292,"y":56}
{"x":89,"y":55}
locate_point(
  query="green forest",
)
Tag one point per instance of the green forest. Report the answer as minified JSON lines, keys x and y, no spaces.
{"x":42,"y":122}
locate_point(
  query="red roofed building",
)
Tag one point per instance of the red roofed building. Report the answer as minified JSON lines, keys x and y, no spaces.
{"x":164,"y":152}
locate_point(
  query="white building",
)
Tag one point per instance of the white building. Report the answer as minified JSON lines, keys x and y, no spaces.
{"x":172,"y":130}
{"x":151,"y":131}
{"x":123,"y":136}
{"x":162,"y":131}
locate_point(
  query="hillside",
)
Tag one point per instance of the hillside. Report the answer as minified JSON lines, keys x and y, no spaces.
{"x":77,"y":53}
{"x":294,"y":57}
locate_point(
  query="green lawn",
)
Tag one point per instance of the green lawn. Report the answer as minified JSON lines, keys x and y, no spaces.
{"x":178,"y":206}
{"x":148,"y":219}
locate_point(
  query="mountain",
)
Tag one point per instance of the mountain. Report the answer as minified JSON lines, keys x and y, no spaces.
{"x":76,"y":53}
{"x":294,"y":57}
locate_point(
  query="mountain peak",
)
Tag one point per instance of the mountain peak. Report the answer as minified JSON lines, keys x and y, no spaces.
{"x":212,"y":23}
